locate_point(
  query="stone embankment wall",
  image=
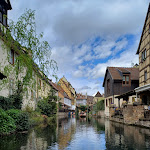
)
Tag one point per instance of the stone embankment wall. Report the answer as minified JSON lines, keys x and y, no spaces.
{"x":62,"y":115}
{"x":132,"y":115}
{"x":101,"y":114}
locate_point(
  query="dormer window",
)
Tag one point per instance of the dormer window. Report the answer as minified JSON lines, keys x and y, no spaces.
{"x":125,"y":80}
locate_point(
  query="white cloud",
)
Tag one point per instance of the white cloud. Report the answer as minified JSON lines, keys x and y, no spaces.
{"x":125,"y":60}
{"x":69,"y":23}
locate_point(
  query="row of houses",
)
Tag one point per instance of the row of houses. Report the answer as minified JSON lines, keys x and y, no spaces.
{"x":129,"y":88}
{"x":39,"y":86}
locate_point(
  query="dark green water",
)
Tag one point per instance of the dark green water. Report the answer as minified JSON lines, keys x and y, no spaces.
{"x":80,"y":134}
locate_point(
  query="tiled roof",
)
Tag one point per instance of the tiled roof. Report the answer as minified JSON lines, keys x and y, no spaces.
{"x":80,"y":96}
{"x":98,"y":94}
{"x":116,"y":72}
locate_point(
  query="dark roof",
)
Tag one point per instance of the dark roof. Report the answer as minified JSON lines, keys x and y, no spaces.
{"x":143,"y":29}
{"x":117,"y":73}
{"x":80,"y":96}
{"x":98,"y":94}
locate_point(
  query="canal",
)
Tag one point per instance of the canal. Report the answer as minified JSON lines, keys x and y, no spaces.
{"x":80,"y":134}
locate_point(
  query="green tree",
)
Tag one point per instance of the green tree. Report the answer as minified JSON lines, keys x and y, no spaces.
{"x":33,"y":53}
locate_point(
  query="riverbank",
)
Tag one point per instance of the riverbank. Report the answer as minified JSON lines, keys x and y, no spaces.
{"x":131,"y":115}
{"x":15,"y":120}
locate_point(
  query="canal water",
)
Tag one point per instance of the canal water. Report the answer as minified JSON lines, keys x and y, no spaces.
{"x":80,"y":134}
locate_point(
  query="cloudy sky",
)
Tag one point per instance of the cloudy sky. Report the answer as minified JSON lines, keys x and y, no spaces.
{"x":86,"y":36}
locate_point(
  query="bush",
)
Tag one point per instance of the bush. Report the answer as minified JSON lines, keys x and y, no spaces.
{"x":46,"y":107}
{"x":21,"y":119}
{"x":13,"y":101}
{"x":101,"y":105}
{"x":17,"y":100}
{"x":7,"y":124}
{"x":6,"y":103}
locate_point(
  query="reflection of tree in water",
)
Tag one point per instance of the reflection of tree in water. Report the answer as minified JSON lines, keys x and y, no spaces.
{"x":47,"y":134}
{"x":13,"y":142}
{"x":99,"y":125}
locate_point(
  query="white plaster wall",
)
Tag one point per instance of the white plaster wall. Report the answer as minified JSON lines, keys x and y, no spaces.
{"x":108,"y":105}
{"x":67,"y":101}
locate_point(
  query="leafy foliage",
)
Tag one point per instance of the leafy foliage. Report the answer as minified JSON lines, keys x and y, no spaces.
{"x":100,"y":105}
{"x":13,"y":101}
{"x":21,"y":119}
{"x":48,"y":105}
{"x":6,"y":103}
{"x":47,"y":108}
{"x":29,"y":47}
{"x":82,"y":107}
{"x":7,"y":124}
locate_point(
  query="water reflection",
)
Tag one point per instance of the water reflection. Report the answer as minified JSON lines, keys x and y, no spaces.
{"x":80,"y":134}
{"x":119,"y":136}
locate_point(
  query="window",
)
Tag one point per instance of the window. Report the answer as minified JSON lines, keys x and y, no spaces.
{"x":3,"y":16}
{"x":12,"y":57}
{"x":145,"y":76}
{"x":125,"y":80}
{"x":144,"y":55}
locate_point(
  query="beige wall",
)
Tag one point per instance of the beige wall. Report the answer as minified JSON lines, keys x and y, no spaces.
{"x":145,"y":65}
{"x":32,"y":92}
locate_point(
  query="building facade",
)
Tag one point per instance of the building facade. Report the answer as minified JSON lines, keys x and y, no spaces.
{"x":39,"y":85}
{"x":69,"y":90}
{"x":118,"y":80}
{"x":144,"y":62}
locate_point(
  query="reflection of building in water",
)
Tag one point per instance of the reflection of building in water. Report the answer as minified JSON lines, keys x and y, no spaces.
{"x":35,"y":143}
{"x":66,"y":131}
{"x":119,"y":136}
{"x":40,"y":138}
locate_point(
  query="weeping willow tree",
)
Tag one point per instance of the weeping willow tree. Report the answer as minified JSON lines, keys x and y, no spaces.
{"x":31,"y":51}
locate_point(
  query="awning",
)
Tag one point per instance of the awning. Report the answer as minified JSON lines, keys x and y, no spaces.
{"x":143,"y":88}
